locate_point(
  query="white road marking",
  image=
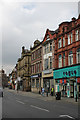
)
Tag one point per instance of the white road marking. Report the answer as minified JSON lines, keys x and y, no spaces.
{"x":20,"y":102}
{"x":39,"y":108}
{"x":66,"y":116}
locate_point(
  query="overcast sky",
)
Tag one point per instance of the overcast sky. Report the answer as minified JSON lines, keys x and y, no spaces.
{"x":24,"y":22}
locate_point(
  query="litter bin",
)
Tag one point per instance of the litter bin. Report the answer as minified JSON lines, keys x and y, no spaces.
{"x":58,"y":96}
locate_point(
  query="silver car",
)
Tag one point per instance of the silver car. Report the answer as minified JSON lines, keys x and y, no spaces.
{"x":1,"y":92}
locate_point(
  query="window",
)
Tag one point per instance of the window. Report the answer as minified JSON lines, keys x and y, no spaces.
{"x":60,"y":61}
{"x":47,"y":38}
{"x":59,"y":43}
{"x":33,"y":83}
{"x":63,"y":59}
{"x":71,"y":38}
{"x":37,"y":83}
{"x":78,"y":55}
{"x":68,"y":39}
{"x":63,"y":41}
{"x":70,"y":58}
{"x":50,"y":62}
{"x":38,"y":67}
{"x":50,"y":46}
{"x":32,"y":56}
{"x":76,"y":35}
{"x":47,"y":48}
{"x":46,"y":64}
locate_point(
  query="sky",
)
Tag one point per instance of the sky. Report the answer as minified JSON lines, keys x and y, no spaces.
{"x":23,"y":22}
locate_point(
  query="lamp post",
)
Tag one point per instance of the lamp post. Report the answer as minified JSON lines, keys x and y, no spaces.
{"x":76,"y":87}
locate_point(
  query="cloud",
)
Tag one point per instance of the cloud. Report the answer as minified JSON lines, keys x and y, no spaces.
{"x":24,"y":22}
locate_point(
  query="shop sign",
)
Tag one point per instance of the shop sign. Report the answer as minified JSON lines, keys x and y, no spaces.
{"x":67,"y":72}
{"x":35,"y":76}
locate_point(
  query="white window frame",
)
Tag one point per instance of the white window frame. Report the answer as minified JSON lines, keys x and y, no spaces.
{"x":59,"y":43}
{"x":76,"y":35}
{"x":63,"y":41}
{"x":60,"y":61}
{"x":68,"y":39}
{"x":78,"y":55}
{"x":70,"y":58}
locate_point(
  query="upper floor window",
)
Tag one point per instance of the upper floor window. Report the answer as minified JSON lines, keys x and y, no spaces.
{"x":59,"y":43}
{"x":78,"y":55}
{"x":46,"y":64}
{"x":50,"y":62}
{"x":68,"y":39}
{"x":76,"y":35}
{"x":50,"y":46}
{"x":47,"y":38}
{"x":70,"y":58}
{"x":63,"y":41}
{"x":60,"y":61}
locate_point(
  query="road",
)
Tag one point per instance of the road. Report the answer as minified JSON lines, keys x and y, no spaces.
{"x":19,"y":106}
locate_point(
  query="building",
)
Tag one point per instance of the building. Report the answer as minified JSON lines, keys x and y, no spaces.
{"x":3,"y":79}
{"x":36,"y":66}
{"x":66,"y":70}
{"x":47,"y":60}
{"x":24,"y":70}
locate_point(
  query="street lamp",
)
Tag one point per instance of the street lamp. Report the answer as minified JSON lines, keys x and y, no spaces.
{"x":76,"y":87}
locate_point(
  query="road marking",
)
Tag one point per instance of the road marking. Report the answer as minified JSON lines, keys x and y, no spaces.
{"x":66,"y":116}
{"x":20,"y":102}
{"x":39,"y":108}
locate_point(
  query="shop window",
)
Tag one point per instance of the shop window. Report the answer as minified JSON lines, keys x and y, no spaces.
{"x":76,"y":35}
{"x":59,"y":43}
{"x":37,"y":83}
{"x":78,"y":55}
{"x":60,"y":61}
{"x":63,"y":41}
{"x":33,"y":83}
{"x":70,"y":58}
{"x":68,"y":39}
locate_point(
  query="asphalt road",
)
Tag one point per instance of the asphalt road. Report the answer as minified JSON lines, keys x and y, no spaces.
{"x":19,"y":106}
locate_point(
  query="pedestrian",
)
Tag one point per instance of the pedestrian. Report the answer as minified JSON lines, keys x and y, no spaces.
{"x":52,"y":90}
{"x":42,"y":91}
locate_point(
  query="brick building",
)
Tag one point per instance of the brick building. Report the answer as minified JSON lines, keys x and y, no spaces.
{"x":66,"y":70}
{"x":36,"y":66}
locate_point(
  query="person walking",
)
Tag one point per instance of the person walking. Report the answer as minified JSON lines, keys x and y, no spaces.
{"x":42,"y":91}
{"x":52,"y":90}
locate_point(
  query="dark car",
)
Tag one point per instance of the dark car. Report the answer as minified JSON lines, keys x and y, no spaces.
{"x":1,"y":92}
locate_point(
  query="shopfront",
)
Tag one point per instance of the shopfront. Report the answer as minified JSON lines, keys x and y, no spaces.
{"x":36,"y":82}
{"x":48,"y":82}
{"x":66,"y":80}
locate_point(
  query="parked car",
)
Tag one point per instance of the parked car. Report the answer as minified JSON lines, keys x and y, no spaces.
{"x":1,"y":92}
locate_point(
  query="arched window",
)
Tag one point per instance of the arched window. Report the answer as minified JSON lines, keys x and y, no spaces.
{"x":60,"y":61}
{"x":70,"y":58}
{"x":78,"y":55}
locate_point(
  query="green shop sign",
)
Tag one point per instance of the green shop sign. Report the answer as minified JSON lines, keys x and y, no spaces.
{"x":73,"y":71}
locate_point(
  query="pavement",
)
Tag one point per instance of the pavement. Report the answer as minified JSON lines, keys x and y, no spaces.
{"x":45,"y":98}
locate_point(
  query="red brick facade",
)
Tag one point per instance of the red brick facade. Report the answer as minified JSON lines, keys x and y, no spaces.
{"x":65,"y":29}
